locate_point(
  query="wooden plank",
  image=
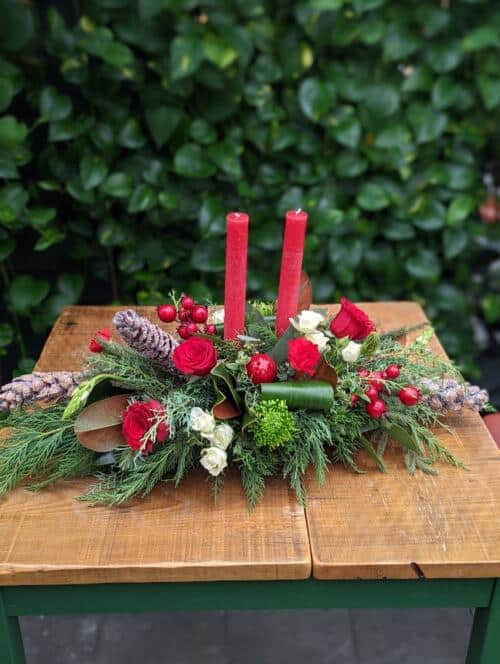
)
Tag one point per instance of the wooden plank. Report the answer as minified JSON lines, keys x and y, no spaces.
{"x":397,"y":526}
{"x":173,"y":535}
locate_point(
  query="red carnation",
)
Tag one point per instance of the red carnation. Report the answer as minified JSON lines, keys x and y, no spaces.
{"x":351,"y":322}
{"x":303,"y":355}
{"x":138,"y":419}
{"x":195,"y":356}
{"x":102,"y":335}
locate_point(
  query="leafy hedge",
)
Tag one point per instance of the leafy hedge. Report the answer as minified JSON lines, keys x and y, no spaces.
{"x":128,"y":129}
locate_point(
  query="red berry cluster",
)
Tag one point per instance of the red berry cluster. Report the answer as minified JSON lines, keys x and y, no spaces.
{"x":190,"y":316}
{"x":377,"y":406}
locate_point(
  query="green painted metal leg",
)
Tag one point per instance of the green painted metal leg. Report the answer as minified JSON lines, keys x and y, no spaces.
{"x":11,"y":643}
{"x":484,"y":647}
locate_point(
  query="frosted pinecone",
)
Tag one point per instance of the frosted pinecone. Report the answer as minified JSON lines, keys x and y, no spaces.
{"x":448,"y":395}
{"x":38,"y":386}
{"x":146,"y":338}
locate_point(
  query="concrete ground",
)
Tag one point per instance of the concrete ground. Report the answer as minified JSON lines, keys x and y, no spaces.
{"x":411,"y":636}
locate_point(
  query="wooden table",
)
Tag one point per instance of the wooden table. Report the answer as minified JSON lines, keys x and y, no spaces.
{"x":370,"y":540}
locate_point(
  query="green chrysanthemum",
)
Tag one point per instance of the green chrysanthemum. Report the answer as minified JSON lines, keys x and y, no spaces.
{"x":274,"y":424}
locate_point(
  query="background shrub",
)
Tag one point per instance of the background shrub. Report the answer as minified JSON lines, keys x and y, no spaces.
{"x":128,"y":128}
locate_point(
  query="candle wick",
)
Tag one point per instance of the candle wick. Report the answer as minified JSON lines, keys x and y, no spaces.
{"x":298,"y":210}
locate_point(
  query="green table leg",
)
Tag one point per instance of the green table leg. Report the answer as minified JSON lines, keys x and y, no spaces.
{"x":11,"y":643}
{"x":484,"y":647}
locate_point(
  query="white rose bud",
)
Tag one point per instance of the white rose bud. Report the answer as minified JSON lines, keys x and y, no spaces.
{"x":202,"y":421}
{"x":222,"y":436}
{"x":217,"y":317}
{"x":307,"y":321}
{"x":319,"y":339}
{"x":351,"y":352}
{"x":214,"y":460}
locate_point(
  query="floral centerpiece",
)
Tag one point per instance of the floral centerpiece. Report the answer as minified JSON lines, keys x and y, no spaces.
{"x":236,"y":387}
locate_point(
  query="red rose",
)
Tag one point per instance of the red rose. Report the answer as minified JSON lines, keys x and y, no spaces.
{"x":351,"y":322}
{"x":103,"y":335}
{"x":195,"y":356}
{"x":303,"y":355}
{"x":138,"y":419}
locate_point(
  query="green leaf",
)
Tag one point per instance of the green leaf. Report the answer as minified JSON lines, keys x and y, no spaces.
{"x":26,"y":292}
{"x":372,"y":197}
{"x":444,"y":57}
{"x":6,"y":335}
{"x":428,"y":124}
{"x":347,"y":132}
{"x":225,"y":384}
{"x":116,"y":54}
{"x":49,"y":237}
{"x":7,"y":246}
{"x":280,"y":351}
{"x":40,"y":217}
{"x":393,"y":137}
{"x":93,"y":170}
{"x":423,"y":265}
{"x":218,"y":51}
{"x":313,"y":394}
{"x":162,"y":121}
{"x":6,"y":93}
{"x":191,"y":161}
{"x":482,"y":37}
{"x":314,"y":98}
{"x":459,"y":209}
{"x":8,"y":168}
{"x":118,"y":185}
{"x":17,"y":26}
{"x":226,"y":158}
{"x":381,"y":99}
{"x":12,"y":132}
{"x":13,"y":198}
{"x":142,"y":199}
{"x":186,"y":54}
{"x":349,"y":164}
{"x":404,"y":438}
{"x":491,"y":307}
{"x":454,"y":241}
{"x":208,"y":256}
{"x":370,"y":450}
{"x":130,"y":135}
{"x":490,"y":90}
{"x":202,"y":132}
{"x":54,"y":106}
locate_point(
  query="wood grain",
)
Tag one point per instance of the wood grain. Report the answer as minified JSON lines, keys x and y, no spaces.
{"x":397,"y":526}
{"x":173,"y":535}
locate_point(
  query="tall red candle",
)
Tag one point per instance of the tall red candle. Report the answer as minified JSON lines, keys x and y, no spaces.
{"x":235,"y":290}
{"x":291,"y":267}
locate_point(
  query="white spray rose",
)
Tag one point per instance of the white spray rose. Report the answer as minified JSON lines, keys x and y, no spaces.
{"x":202,"y":421}
{"x":217,"y":317}
{"x":222,"y":436}
{"x":351,"y":352}
{"x":214,"y":460}
{"x":307,"y":321}
{"x":319,"y":339}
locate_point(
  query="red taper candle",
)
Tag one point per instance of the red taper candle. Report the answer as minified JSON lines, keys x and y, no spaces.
{"x":291,"y":267}
{"x":235,"y":290}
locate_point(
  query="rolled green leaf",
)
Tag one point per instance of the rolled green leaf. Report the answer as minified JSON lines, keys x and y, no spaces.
{"x":311,"y":394}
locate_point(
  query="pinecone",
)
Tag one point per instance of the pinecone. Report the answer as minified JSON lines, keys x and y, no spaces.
{"x":38,"y":386}
{"x":448,"y":395}
{"x":146,"y":338}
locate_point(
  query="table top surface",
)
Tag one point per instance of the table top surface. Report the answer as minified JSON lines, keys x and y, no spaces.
{"x":354,"y":526}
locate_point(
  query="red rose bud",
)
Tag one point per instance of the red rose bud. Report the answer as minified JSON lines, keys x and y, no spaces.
{"x":351,"y":322}
{"x":261,"y":368}
{"x":187,"y":302}
{"x":138,"y":419}
{"x":303,"y":355}
{"x":372,"y":393}
{"x":192,"y":329}
{"x":409,"y":396}
{"x":392,"y":371}
{"x":166,"y":312}
{"x":210,"y":329}
{"x":376,"y":409}
{"x":196,"y":356}
{"x":182,"y":331}
{"x":103,"y":335}
{"x":199,"y":313}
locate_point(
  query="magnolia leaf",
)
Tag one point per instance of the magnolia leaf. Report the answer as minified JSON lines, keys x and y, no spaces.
{"x":99,"y":426}
{"x":280,"y":352}
{"x":305,"y":292}
{"x":405,"y":438}
{"x":368,"y":447}
{"x":225,"y":410}
{"x":228,"y":401}
{"x":81,"y":394}
{"x":326,"y":373}
{"x":313,"y":395}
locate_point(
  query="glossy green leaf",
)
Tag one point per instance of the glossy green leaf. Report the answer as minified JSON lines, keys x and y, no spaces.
{"x":423,"y":265}
{"x":6,"y":93}
{"x":143,"y":198}
{"x":162,"y":122}
{"x":186,"y":54}
{"x":313,"y":394}
{"x":26,"y":292}
{"x":192,"y":162}
{"x":372,"y":197}
{"x":314,"y":98}
{"x":54,"y":106}
{"x":118,"y":185}
{"x":12,"y":132}
{"x":93,"y":170}
{"x":454,"y":241}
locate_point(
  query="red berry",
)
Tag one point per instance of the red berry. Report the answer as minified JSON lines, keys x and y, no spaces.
{"x":354,"y":399}
{"x":166,"y":312}
{"x":100,"y":335}
{"x":376,"y":408}
{"x":375,"y":380}
{"x":409,"y":395}
{"x":199,"y":313}
{"x":372,"y":393}
{"x":210,"y":329}
{"x":192,"y":328}
{"x":364,"y":373}
{"x":187,"y":302}
{"x":184,"y":315}
{"x":182,"y":331}
{"x":261,"y":368}
{"x":392,"y":371}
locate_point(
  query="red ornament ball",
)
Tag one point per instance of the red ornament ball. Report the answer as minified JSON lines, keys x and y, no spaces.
{"x":376,"y":409}
{"x":182,"y":331}
{"x":261,"y":368}
{"x":354,"y":399}
{"x":187,"y":302}
{"x":183,"y":315}
{"x":409,"y":395}
{"x":166,"y":312}
{"x":199,"y":313}
{"x":375,"y":380}
{"x":364,"y":373}
{"x":392,"y":371}
{"x":372,"y":393}
{"x":192,"y":329}
{"x":210,"y":329}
